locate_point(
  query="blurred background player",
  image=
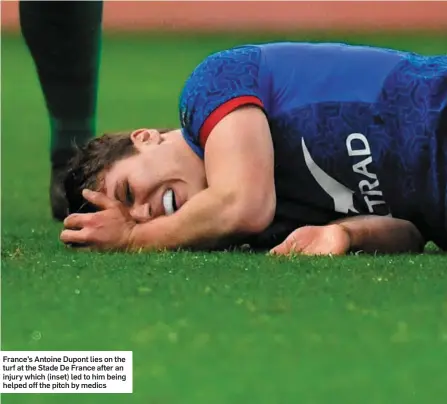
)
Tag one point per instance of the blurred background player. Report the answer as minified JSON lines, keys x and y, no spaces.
{"x":64,"y":39}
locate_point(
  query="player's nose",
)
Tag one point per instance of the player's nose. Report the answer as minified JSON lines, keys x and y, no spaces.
{"x":140,"y":213}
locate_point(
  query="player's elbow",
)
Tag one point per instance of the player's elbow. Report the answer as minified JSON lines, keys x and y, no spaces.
{"x":416,"y":242}
{"x":252,"y":215}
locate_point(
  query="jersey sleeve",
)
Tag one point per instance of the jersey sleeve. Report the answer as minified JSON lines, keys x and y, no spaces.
{"x":222,"y":83}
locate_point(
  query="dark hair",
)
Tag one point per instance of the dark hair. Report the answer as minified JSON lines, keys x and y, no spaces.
{"x":88,"y":164}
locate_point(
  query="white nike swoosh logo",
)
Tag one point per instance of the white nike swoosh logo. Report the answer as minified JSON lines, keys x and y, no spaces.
{"x":342,"y":196}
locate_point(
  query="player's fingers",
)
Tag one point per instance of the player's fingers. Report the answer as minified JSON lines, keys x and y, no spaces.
{"x":77,"y":220}
{"x":286,"y":247}
{"x":74,"y":237}
{"x":278,"y":250}
{"x":99,"y":199}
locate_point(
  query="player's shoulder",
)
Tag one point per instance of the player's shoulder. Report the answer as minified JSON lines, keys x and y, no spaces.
{"x":233,"y":61}
{"x":249,"y":52}
{"x":220,"y":75}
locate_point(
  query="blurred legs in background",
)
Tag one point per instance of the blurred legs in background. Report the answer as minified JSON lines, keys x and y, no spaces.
{"x":64,"y":39}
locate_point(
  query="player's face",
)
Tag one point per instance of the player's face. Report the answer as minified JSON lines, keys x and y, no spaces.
{"x":159,"y":179}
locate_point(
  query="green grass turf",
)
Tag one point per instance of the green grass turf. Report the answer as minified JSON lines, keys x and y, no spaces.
{"x":206,"y":328}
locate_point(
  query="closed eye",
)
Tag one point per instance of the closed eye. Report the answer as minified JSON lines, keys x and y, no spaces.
{"x":129,"y":194}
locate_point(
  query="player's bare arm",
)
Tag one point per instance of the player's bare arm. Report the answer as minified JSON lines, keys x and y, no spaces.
{"x":369,"y":234}
{"x":240,"y":198}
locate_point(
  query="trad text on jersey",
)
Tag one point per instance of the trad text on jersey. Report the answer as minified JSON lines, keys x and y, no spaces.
{"x":358,"y":146}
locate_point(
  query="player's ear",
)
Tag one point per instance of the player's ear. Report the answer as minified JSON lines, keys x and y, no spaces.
{"x":142,"y":137}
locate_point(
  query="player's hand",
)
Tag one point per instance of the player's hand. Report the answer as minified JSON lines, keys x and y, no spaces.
{"x":315,"y":240}
{"x":106,"y":230}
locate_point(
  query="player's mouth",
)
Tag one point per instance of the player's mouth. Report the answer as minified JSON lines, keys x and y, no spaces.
{"x":169,"y":203}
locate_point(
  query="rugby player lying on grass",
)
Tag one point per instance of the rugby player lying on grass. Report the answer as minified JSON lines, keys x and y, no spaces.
{"x":294,"y":147}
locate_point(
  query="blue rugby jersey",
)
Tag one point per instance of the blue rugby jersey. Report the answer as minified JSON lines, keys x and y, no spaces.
{"x":356,"y":130}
